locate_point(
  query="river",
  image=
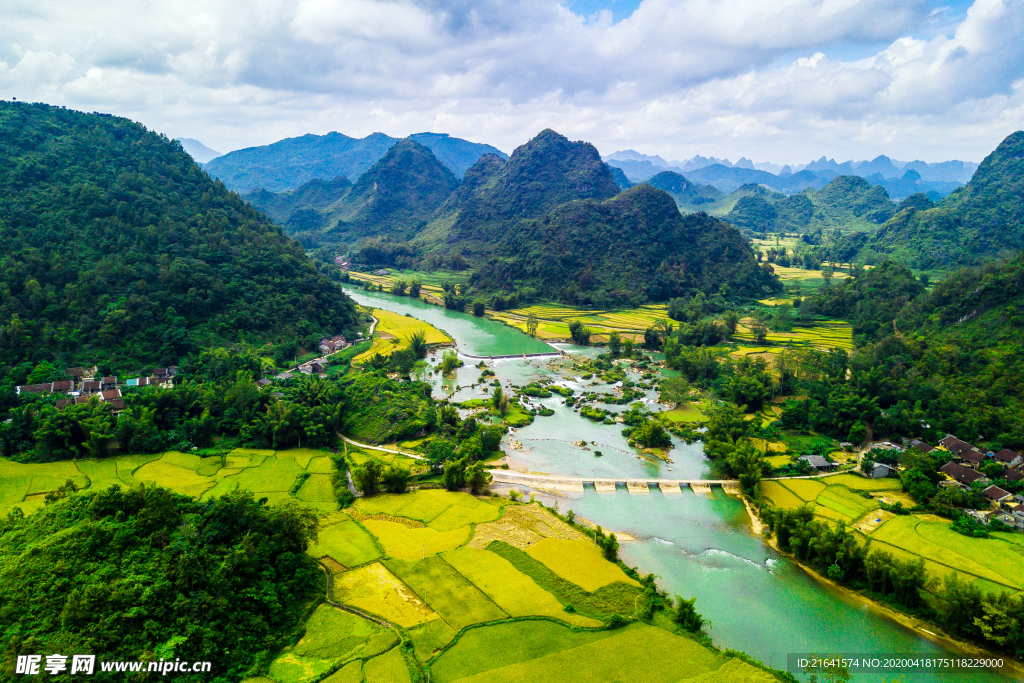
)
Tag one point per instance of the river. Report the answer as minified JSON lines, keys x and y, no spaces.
{"x":757,"y":600}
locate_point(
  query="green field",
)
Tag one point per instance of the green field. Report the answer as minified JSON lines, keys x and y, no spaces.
{"x":387,"y":668}
{"x":579,"y":562}
{"x":441,"y":510}
{"x":393,"y":331}
{"x":376,"y":590}
{"x":458,"y":601}
{"x":632,"y":653}
{"x":495,"y":647}
{"x":512,"y":591}
{"x":346,"y":543}
{"x":266,"y":473}
{"x":413,"y":544}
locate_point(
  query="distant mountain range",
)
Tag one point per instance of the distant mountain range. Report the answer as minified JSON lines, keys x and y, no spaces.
{"x":290,"y":163}
{"x":900,"y":179}
{"x":980,"y":221}
{"x":198,"y":151}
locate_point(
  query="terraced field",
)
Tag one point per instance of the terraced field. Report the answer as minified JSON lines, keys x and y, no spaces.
{"x":553,"y":320}
{"x":993,"y":564}
{"x":821,"y":335}
{"x":393,"y":331}
{"x":267,"y":473}
{"x":469,"y":613}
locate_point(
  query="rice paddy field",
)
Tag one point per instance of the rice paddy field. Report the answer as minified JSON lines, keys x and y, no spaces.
{"x":469,"y":614}
{"x":994,"y":564}
{"x":393,"y":331}
{"x":826,"y":334}
{"x":266,"y":473}
{"x":553,"y":320}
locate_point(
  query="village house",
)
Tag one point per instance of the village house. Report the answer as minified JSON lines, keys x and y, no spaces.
{"x":108,"y":383}
{"x":963,"y":450}
{"x":964,"y":476}
{"x":818,"y":462}
{"x":997,"y":495}
{"x":1008,"y":458}
{"x":880,"y":471}
{"x":329,"y":346}
{"x":46,"y":388}
{"x":921,"y":446}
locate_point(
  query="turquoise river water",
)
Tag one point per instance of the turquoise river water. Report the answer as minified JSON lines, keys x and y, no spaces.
{"x":757,"y":600}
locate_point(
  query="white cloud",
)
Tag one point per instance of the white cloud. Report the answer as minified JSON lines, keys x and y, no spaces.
{"x":755,"y":78}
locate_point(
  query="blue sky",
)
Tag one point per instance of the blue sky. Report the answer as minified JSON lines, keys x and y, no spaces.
{"x":773,"y":80}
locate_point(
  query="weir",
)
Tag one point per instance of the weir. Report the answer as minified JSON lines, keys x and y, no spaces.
{"x":605,"y":485}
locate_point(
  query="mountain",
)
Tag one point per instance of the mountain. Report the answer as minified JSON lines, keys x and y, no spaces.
{"x":912,"y":183}
{"x":690,"y":197}
{"x":620,"y":178}
{"x":116,"y":248}
{"x":552,"y":221}
{"x":730,"y":178}
{"x":198,"y":151}
{"x":982,"y":220}
{"x":847,"y":203}
{"x":287,"y":164}
{"x":394,"y":198}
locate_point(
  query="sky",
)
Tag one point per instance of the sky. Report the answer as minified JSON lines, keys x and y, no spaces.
{"x":785,"y":81}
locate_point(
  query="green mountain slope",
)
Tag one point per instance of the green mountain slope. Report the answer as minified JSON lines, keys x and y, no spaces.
{"x":393,"y":199}
{"x":689,"y":196}
{"x":115,"y":247}
{"x":848,"y":203}
{"x":290,"y":163}
{"x":551,"y":221}
{"x":983,"y":220}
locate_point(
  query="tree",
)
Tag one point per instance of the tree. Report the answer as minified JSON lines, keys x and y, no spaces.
{"x":367,"y":477}
{"x":531,"y":325}
{"x":687,"y":617}
{"x":496,"y":397}
{"x":731,"y":320}
{"x":614,"y":344}
{"x":449,"y":362}
{"x":395,"y":479}
{"x":418,"y":343}
{"x":414,"y":289}
{"x":478,"y":309}
{"x":477,"y":478}
{"x":673,"y":390}
{"x":579,"y":334}
{"x":454,"y":475}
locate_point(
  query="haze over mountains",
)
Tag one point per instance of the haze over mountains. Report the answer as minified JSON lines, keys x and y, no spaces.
{"x":287,"y":164}
{"x":900,"y":179}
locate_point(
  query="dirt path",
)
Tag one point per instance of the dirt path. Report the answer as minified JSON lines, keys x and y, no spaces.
{"x":407,"y":454}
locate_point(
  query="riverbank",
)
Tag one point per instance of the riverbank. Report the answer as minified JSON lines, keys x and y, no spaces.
{"x":933,"y":632}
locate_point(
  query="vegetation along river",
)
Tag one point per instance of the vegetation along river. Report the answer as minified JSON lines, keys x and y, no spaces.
{"x":757,"y":600}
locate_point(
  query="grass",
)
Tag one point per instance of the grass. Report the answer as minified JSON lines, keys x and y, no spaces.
{"x":688,"y":412}
{"x":346,"y":543}
{"x":407,"y":544}
{"x":166,"y":473}
{"x":617,"y":597}
{"x":855,"y":482}
{"x":317,"y":489}
{"x":982,"y":558}
{"x":578,"y":562}
{"x":805,"y":489}
{"x":400,"y":327}
{"x":274,"y":473}
{"x":375,"y":589}
{"x":500,"y":645}
{"x":429,"y":638}
{"x":634,"y":652}
{"x":780,"y":496}
{"x":332,"y":633}
{"x":430,"y":506}
{"x":387,"y":668}
{"x":448,"y":593}
{"x":512,"y":591}
{"x":350,"y":673}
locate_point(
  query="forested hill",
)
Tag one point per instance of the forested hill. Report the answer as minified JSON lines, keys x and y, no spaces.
{"x":115,"y":247}
{"x":551,"y":221}
{"x":983,"y":220}
{"x":949,"y":357}
{"x":393,"y":199}
{"x":287,"y":164}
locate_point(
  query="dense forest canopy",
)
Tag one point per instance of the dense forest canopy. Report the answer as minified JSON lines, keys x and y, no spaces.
{"x":115,"y":247}
{"x":552,"y":221}
{"x":981,"y":221}
{"x":150,"y":574}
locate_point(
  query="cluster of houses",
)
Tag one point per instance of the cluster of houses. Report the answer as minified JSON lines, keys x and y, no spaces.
{"x":83,"y":385}
{"x":965,"y":471}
